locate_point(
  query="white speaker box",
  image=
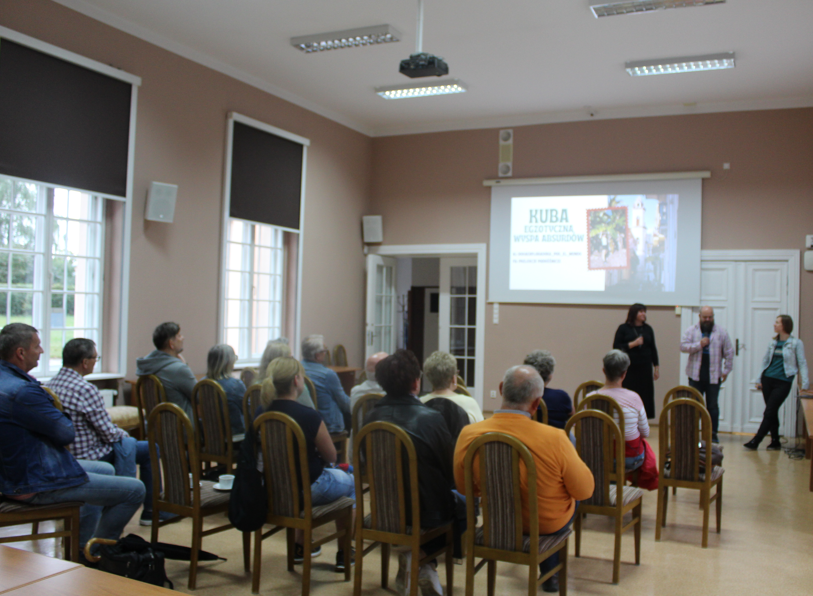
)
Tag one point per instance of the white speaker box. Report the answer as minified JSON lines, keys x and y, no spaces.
{"x":372,"y":228}
{"x":161,"y":202}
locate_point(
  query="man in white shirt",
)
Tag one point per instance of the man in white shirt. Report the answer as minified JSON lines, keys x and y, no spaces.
{"x":370,"y":385}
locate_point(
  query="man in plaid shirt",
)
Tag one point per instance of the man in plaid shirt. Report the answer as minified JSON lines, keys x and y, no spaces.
{"x":711,"y":358}
{"x":97,"y":438}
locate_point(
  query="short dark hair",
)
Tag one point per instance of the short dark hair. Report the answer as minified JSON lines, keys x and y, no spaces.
{"x":77,"y":350}
{"x":163,"y":333}
{"x":397,"y":373}
{"x":13,"y":336}
{"x":787,"y":324}
{"x":633,"y":313}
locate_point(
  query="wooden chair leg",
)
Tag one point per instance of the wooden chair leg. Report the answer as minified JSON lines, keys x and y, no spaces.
{"x":347,"y":539}
{"x":197,"y":544}
{"x":385,"y":563}
{"x":719,"y":505}
{"x":413,"y":570}
{"x":533,"y":573}
{"x":360,"y":565}
{"x":306,"y":563}
{"x":665,"y":506}
{"x":617,"y":549}
{"x":706,"y":506}
{"x":563,"y":570}
{"x":492,"y":576}
{"x":449,"y":563}
{"x":247,"y":551}
{"x":291,"y":539}
{"x":637,"y":513}
{"x":35,"y":528}
{"x":470,"y":571}
{"x":577,"y":526}
{"x":258,"y":551}
{"x":659,"y":513}
{"x":74,"y":542}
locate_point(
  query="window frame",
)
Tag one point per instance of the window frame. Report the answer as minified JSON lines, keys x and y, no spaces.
{"x":288,"y":310}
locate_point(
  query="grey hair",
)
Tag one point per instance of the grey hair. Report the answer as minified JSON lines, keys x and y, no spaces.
{"x":13,"y":336}
{"x":520,"y":390}
{"x":77,"y":350}
{"x":543,"y":361}
{"x":220,"y":362}
{"x":616,"y":364}
{"x":273,"y":350}
{"x":440,"y":368}
{"x":311,"y":346}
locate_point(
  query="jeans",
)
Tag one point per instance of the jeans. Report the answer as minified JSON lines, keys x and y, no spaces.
{"x":710,"y":391}
{"x":774,"y":392}
{"x":332,"y":484}
{"x":110,"y":501}
{"x":631,"y":463}
{"x":553,"y":560}
{"x":126,"y":454}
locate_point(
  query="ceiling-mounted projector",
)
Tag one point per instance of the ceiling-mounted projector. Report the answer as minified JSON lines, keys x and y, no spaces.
{"x":423,"y":65}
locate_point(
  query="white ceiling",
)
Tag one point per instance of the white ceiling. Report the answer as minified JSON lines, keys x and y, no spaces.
{"x":524,"y":61}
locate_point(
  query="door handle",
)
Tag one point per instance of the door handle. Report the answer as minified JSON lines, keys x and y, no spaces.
{"x":738,"y":348}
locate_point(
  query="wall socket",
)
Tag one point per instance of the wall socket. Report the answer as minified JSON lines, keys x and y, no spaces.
{"x":494,"y":394}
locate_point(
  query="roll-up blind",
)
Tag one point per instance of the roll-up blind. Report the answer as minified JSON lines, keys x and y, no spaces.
{"x":266,"y":177}
{"x":61,"y":123}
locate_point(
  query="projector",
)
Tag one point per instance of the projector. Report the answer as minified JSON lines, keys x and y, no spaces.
{"x":424,"y":65}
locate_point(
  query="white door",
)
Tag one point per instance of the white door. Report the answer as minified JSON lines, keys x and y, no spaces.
{"x":457,"y":328}
{"x":747,"y":295}
{"x":381,"y":321}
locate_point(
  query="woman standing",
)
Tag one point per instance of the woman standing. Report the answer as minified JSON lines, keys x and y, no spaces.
{"x":637,"y":339}
{"x":783,"y":360}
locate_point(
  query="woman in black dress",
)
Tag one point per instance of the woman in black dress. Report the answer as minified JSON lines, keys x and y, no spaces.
{"x":637,"y":339}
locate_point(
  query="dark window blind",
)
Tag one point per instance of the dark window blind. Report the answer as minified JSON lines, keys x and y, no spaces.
{"x":61,"y":123}
{"x":266,"y":177}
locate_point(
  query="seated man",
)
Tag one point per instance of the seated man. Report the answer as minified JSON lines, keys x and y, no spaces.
{"x":330,"y":399}
{"x":97,"y":438}
{"x":562,"y":477}
{"x":441,"y":370}
{"x":35,"y":467}
{"x":370,"y":385}
{"x":167,"y":363}
{"x":400,"y":376}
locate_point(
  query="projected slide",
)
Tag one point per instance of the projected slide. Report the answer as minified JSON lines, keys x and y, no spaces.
{"x":594,"y":243}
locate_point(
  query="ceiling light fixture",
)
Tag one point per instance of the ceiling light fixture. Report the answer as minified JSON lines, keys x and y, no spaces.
{"x":446,"y":87}
{"x":350,"y":38}
{"x":642,"y":68}
{"x":608,"y":8}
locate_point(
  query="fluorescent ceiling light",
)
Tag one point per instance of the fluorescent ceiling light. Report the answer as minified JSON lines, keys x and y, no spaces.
{"x":608,"y":8}
{"x":642,"y":68}
{"x":351,"y":38}
{"x":422,"y":89}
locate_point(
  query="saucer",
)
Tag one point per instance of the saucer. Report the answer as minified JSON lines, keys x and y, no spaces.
{"x":220,"y":488}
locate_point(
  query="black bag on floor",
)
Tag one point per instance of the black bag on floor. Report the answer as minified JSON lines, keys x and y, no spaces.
{"x":133,"y":557}
{"x":248,"y":505}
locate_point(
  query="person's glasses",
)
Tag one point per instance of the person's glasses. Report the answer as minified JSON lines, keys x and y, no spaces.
{"x":96,"y":359}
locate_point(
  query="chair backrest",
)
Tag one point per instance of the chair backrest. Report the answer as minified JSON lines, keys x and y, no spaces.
{"x":498,"y":459}
{"x":683,"y":391}
{"x":248,"y":376}
{"x":57,"y":401}
{"x":361,"y":408}
{"x":251,"y":400}
{"x":339,"y":355}
{"x":362,"y":377}
{"x":149,"y":394}
{"x":276,"y":432}
{"x":170,"y":431}
{"x":392,"y":475}
{"x":583,"y":389}
{"x":460,"y":387}
{"x":541,"y":414}
{"x":328,"y":360}
{"x":606,"y":404}
{"x":214,"y":438}
{"x":312,"y":390}
{"x":600,"y":444}
{"x":683,"y":424}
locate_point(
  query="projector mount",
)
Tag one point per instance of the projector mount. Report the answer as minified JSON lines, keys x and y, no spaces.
{"x":422,"y":64}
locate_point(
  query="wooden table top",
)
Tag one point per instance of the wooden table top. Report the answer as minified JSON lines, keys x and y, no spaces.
{"x":807,"y":408}
{"x":21,"y":567}
{"x":90,"y":582}
{"x":344,"y":369}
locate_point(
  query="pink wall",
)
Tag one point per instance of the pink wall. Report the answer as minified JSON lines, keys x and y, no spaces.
{"x":765,"y":201}
{"x":180,"y":139}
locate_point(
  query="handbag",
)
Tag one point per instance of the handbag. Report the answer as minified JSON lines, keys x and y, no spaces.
{"x":248,"y":505}
{"x":134,"y":558}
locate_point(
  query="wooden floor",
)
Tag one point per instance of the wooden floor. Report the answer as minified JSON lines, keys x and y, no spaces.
{"x":766,"y":546}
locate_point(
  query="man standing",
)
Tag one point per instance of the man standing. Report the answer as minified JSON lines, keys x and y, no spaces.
{"x":711,"y":358}
{"x":167,"y":363}
{"x":562,"y":477}
{"x":370,"y":385}
{"x":35,"y":467}
{"x":330,"y":399}
{"x":97,"y":438}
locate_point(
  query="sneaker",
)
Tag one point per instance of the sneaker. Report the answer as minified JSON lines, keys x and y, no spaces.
{"x":428,"y":581}
{"x":299,"y":552}
{"x":774,"y":446}
{"x":163,"y":516}
{"x":551,"y":584}
{"x":402,"y":579}
{"x":752,"y":445}
{"x":339,"y":568}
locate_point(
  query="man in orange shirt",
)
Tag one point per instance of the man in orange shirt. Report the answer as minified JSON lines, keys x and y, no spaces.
{"x":563,"y":479}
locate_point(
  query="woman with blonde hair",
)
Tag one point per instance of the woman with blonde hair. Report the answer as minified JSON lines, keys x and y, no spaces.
{"x":219,"y":367}
{"x":284,"y":383}
{"x":279,"y":349}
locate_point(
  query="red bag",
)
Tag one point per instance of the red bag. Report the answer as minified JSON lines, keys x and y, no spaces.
{"x":647,"y":474}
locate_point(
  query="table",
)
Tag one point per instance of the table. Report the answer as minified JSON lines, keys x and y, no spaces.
{"x":347,"y":376}
{"x":90,"y":582}
{"x":807,"y":408}
{"x":19,"y":568}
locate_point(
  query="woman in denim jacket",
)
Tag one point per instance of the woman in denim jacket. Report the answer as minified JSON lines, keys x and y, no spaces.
{"x":784,"y":359}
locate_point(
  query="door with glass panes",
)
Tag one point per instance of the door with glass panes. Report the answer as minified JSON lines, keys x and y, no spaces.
{"x":457,"y":314}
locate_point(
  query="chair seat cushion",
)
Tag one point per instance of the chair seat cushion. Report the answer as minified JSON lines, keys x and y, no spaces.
{"x":12,"y":506}
{"x":125,"y":417}
{"x":209,"y":497}
{"x":368,"y":521}
{"x":630,"y":494}
{"x":337,"y":505}
{"x":716,"y":472}
{"x":545,"y":542}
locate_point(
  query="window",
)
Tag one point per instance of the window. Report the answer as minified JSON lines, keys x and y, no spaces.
{"x":51,"y":263}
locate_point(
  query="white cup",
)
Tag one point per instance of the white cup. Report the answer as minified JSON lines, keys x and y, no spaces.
{"x":226,"y":481}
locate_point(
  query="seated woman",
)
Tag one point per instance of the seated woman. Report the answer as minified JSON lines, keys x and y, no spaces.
{"x":284,"y":383}
{"x":558,"y":402}
{"x":279,"y":348}
{"x":441,"y":370}
{"x":637,"y":452}
{"x":219,"y":367}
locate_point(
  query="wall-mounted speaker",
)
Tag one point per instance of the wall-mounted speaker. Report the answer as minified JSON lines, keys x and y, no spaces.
{"x":506,"y":159}
{"x":161,"y":202}
{"x":372,"y":227}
